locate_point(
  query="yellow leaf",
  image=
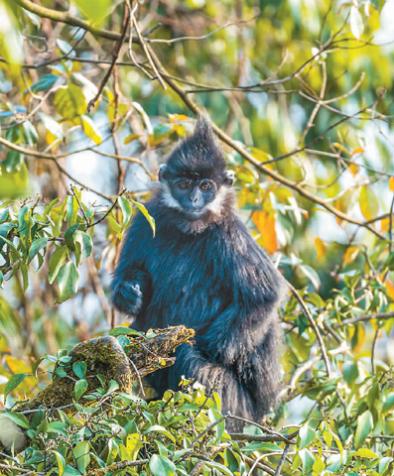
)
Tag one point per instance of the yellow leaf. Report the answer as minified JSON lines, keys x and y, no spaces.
{"x":130,"y":138}
{"x":90,"y":129}
{"x":366,"y":453}
{"x":391,"y":183}
{"x":320,"y":248}
{"x":385,"y":225}
{"x":354,"y":168}
{"x":17,"y":366}
{"x":265,"y":223}
{"x":178,"y":117}
{"x":358,"y":339}
{"x":350,"y":254}
{"x":357,"y":150}
{"x":390,"y":289}
{"x":340,"y":147}
{"x":179,"y":129}
{"x":368,"y":202}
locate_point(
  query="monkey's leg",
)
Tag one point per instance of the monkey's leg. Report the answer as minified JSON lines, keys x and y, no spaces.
{"x":261,"y":372}
{"x":235,"y":394}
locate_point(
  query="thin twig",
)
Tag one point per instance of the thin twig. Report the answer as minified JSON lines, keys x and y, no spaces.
{"x":282,"y":460}
{"x":115,"y":55}
{"x":370,"y":317}
{"x":314,"y":327}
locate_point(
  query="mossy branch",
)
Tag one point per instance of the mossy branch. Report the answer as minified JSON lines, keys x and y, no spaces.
{"x":104,"y":356}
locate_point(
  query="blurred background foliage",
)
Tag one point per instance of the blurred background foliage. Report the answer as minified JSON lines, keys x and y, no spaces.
{"x":93,"y":95}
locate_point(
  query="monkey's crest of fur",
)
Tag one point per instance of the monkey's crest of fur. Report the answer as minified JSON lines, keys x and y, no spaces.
{"x":197,"y":155}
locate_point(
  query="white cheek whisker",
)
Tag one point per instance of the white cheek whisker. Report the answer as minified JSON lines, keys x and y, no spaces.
{"x":216,"y":206}
{"x":167,"y":199}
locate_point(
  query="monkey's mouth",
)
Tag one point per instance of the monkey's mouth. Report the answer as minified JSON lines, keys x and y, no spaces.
{"x":195,"y":213}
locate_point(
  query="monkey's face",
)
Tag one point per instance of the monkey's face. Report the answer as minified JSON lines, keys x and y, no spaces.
{"x":194,"y":179}
{"x":193,"y":194}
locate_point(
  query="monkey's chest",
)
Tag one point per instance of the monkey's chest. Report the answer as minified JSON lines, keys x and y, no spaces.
{"x":190,"y":285}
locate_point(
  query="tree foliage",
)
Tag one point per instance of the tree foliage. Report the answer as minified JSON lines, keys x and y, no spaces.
{"x":92,"y":97}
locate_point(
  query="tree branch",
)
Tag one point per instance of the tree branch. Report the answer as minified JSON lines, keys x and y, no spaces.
{"x":65,"y":17}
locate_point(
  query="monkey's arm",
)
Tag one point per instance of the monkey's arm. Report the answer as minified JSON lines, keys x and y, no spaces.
{"x":131,"y":284}
{"x":130,"y":293}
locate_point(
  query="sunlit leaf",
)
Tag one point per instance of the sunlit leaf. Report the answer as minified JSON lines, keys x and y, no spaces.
{"x":369,"y":204}
{"x":96,"y":11}
{"x":265,"y":223}
{"x":80,"y":388}
{"x":356,"y":22}
{"x":56,"y":261}
{"x":70,"y":101}
{"x":364,"y":427}
{"x":37,"y":246}
{"x":81,"y":455}
{"x":90,"y":129}
{"x":161,"y":466}
{"x":13,"y":382}
{"x":146,"y":214}
{"x":67,"y":280}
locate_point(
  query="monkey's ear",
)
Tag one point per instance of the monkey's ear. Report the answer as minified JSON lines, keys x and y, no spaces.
{"x":229,"y":177}
{"x":162,"y":171}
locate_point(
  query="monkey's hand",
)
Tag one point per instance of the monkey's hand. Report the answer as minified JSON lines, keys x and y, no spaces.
{"x":128,"y":297}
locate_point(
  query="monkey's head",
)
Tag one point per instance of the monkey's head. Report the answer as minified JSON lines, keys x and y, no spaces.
{"x":194,"y":179}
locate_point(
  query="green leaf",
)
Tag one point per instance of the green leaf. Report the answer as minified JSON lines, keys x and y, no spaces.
{"x":307,"y":459}
{"x":364,"y":427}
{"x":82,"y":456}
{"x":70,"y":471}
{"x":18,"y":419}
{"x":79,"y":369}
{"x":61,"y":463}
{"x":70,"y":101}
{"x":126,"y":208}
{"x":306,"y":435}
{"x":67,"y":281}
{"x":56,"y":261}
{"x":90,"y":130}
{"x":161,"y":466}
{"x":44,"y":83}
{"x":350,"y":372}
{"x":161,"y":429}
{"x":83,"y":242}
{"x":37,"y":245}
{"x":80,"y":388}
{"x":146,"y":214}
{"x":95,"y":12}
{"x":219,"y":467}
{"x":24,"y":221}
{"x":13,"y":382}
{"x":384,"y":464}
{"x":388,"y":404}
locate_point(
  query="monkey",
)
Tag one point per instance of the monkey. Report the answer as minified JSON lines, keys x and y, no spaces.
{"x":203,"y":269}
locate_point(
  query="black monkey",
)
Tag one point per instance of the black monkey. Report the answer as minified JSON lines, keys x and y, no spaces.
{"x":204,"y":270}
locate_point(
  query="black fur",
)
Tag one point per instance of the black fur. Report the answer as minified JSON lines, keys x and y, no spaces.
{"x":208,"y":274}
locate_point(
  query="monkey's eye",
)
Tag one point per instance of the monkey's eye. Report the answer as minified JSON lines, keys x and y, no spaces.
{"x":206,"y":185}
{"x":184,"y":184}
